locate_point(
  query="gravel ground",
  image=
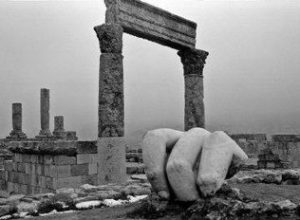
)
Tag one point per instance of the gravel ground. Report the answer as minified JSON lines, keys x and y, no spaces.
{"x":268,"y":192}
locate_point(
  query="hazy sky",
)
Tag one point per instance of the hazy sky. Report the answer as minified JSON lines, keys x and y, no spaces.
{"x":252,"y":75}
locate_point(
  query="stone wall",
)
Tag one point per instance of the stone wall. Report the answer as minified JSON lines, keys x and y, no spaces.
{"x":280,"y":151}
{"x":40,"y":167}
{"x":252,"y":144}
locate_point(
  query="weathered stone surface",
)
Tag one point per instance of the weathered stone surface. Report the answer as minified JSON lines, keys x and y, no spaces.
{"x":193,"y":64}
{"x":59,"y":123}
{"x":284,"y":138}
{"x":193,"y":61}
{"x":44,"y":111}
{"x":17,"y":133}
{"x":110,"y":38}
{"x":111,"y":96}
{"x":67,"y":148}
{"x":17,"y":116}
{"x":48,"y":147}
{"x":146,"y":21}
{"x":111,"y":163}
{"x":194,"y":111}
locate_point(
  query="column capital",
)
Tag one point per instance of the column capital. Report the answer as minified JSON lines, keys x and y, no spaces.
{"x":110,"y":38}
{"x":193,"y":61}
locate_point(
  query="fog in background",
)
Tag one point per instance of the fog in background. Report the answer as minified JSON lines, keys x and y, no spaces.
{"x":252,"y":75}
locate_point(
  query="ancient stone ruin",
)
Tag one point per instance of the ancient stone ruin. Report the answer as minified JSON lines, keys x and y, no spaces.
{"x":145,"y":21}
{"x":52,"y":160}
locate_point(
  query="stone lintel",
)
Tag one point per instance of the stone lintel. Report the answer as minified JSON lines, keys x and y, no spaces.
{"x":68,"y":148}
{"x":193,"y":61}
{"x":152,"y":23}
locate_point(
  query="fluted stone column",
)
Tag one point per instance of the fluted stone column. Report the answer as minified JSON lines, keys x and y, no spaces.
{"x":111,"y":145}
{"x":17,"y":133}
{"x":193,"y":61}
{"x":45,"y":114}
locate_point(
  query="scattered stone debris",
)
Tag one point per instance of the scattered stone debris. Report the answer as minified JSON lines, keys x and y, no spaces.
{"x":228,"y":204}
{"x":285,"y":177}
{"x":70,"y":199}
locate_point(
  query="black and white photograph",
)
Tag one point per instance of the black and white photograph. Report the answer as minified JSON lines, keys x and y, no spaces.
{"x":150,"y":109}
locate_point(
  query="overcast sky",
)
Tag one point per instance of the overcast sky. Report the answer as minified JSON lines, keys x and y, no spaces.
{"x":252,"y":75}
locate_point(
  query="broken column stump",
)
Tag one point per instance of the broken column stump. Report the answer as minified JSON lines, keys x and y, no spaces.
{"x":17,"y":133}
{"x":59,"y":132}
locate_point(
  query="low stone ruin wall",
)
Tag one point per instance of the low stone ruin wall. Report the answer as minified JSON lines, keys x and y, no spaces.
{"x":40,"y":167}
{"x":280,"y":151}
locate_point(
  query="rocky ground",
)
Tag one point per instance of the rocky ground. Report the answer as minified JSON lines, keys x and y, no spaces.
{"x":256,"y":194}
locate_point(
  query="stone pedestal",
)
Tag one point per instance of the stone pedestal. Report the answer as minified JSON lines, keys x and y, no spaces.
{"x":112,"y":167}
{"x":45,"y":115}
{"x":17,"y":133}
{"x":111,"y":160}
{"x":193,"y":63}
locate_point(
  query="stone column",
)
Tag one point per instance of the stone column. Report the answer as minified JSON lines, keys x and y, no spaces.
{"x":59,"y":123}
{"x":193,"y":61}
{"x":17,"y":132}
{"x":45,"y":115}
{"x":111,"y":145}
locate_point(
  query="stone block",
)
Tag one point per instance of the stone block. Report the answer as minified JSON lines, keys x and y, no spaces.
{"x":10,"y":187}
{"x":79,"y":169}
{"x":69,"y":182}
{"x":40,"y":169}
{"x":48,"y":159}
{"x":93,"y":168}
{"x":23,"y":178}
{"x":17,"y":157}
{"x":8,"y":165}
{"x":87,"y":158}
{"x":34,"y":158}
{"x":49,"y":182}
{"x":50,"y":171}
{"x":27,"y":168}
{"x":23,"y":189}
{"x":261,"y":164}
{"x":86,"y":147}
{"x":64,"y":160}
{"x":112,"y":160}
{"x":90,"y":179}
{"x":3,"y":184}
{"x":21,"y":167}
{"x":26,"y":158}
{"x":63,"y":171}
{"x":2,"y":174}
{"x":14,"y":166}
{"x":270,"y":165}
{"x":295,"y":164}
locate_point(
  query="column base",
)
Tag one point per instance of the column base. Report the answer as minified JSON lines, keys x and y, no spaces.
{"x":44,"y":135}
{"x":111,"y":160}
{"x":65,"y":135}
{"x":16,"y":135}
